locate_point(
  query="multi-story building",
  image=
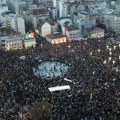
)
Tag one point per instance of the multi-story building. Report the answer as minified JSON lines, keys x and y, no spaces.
{"x":110,"y":20}
{"x":36,"y":15}
{"x":72,"y":33}
{"x":3,"y":6}
{"x":69,"y":29}
{"x":16,"y":42}
{"x":14,"y":5}
{"x":53,"y":14}
{"x":67,"y":8}
{"x":11,"y":42}
{"x":56,"y":6}
{"x":14,"y":21}
{"x":85,"y":22}
{"x":48,"y":27}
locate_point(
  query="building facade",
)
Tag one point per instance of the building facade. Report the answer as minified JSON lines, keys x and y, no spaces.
{"x":97,"y":32}
{"x":56,"y":38}
{"x":11,"y":42}
{"x":72,"y":33}
{"x":110,"y":20}
{"x":29,"y":43}
{"x":14,"y":21}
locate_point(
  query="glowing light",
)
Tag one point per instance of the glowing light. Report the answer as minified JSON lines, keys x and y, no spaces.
{"x":110,"y":53}
{"x":107,"y":47}
{"x":115,"y":47}
{"x":110,"y":58}
{"x":119,"y":57}
{"x":110,"y":49}
{"x":69,"y":46}
{"x":113,"y":62}
{"x":37,"y":31}
{"x":29,"y":35}
{"x":99,"y":50}
{"x":32,"y":35}
{"x":119,"y":45}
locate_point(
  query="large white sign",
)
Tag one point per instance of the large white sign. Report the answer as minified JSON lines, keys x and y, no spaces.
{"x":59,"y":88}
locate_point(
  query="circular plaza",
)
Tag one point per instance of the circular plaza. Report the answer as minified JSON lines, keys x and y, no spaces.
{"x":50,"y":69}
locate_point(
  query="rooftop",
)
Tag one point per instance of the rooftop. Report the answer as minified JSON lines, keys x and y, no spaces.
{"x":39,"y":11}
{"x":97,"y":29}
{"x":10,"y":14}
{"x":55,"y":36}
{"x":51,"y":22}
{"x":7,"y":31}
{"x":71,"y":28}
{"x":8,"y":39}
{"x":71,"y":3}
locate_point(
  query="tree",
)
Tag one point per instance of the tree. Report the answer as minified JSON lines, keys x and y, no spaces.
{"x":59,"y":29}
{"x":40,"y":111}
{"x":29,"y":26}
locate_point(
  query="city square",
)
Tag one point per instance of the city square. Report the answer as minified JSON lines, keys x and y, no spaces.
{"x":93,"y":84}
{"x":59,"y":59}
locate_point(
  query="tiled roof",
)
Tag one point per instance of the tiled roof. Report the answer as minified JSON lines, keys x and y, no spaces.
{"x":55,"y":36}
{"x":71,"y":28}
{"x":39,"y":11}
{"x":97,"y":29}
{"x":9,"y":31}
{"x":51,"y":22}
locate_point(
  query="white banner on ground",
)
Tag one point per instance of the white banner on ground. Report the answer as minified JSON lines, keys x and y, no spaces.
{"x":59,"y":88}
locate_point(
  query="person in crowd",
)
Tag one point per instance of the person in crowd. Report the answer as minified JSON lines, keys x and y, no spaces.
{"x":94,"y":93}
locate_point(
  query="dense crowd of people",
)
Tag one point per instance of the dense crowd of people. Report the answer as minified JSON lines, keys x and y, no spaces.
{"x":94,"y":93}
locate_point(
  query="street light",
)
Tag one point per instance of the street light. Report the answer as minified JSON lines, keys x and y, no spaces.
{"x":99,"y":50}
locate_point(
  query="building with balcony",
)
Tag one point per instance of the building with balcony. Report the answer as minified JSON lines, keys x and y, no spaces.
{"x":110,"y":20}
{"x":14,"y":21}
{"x":11,"y":42}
